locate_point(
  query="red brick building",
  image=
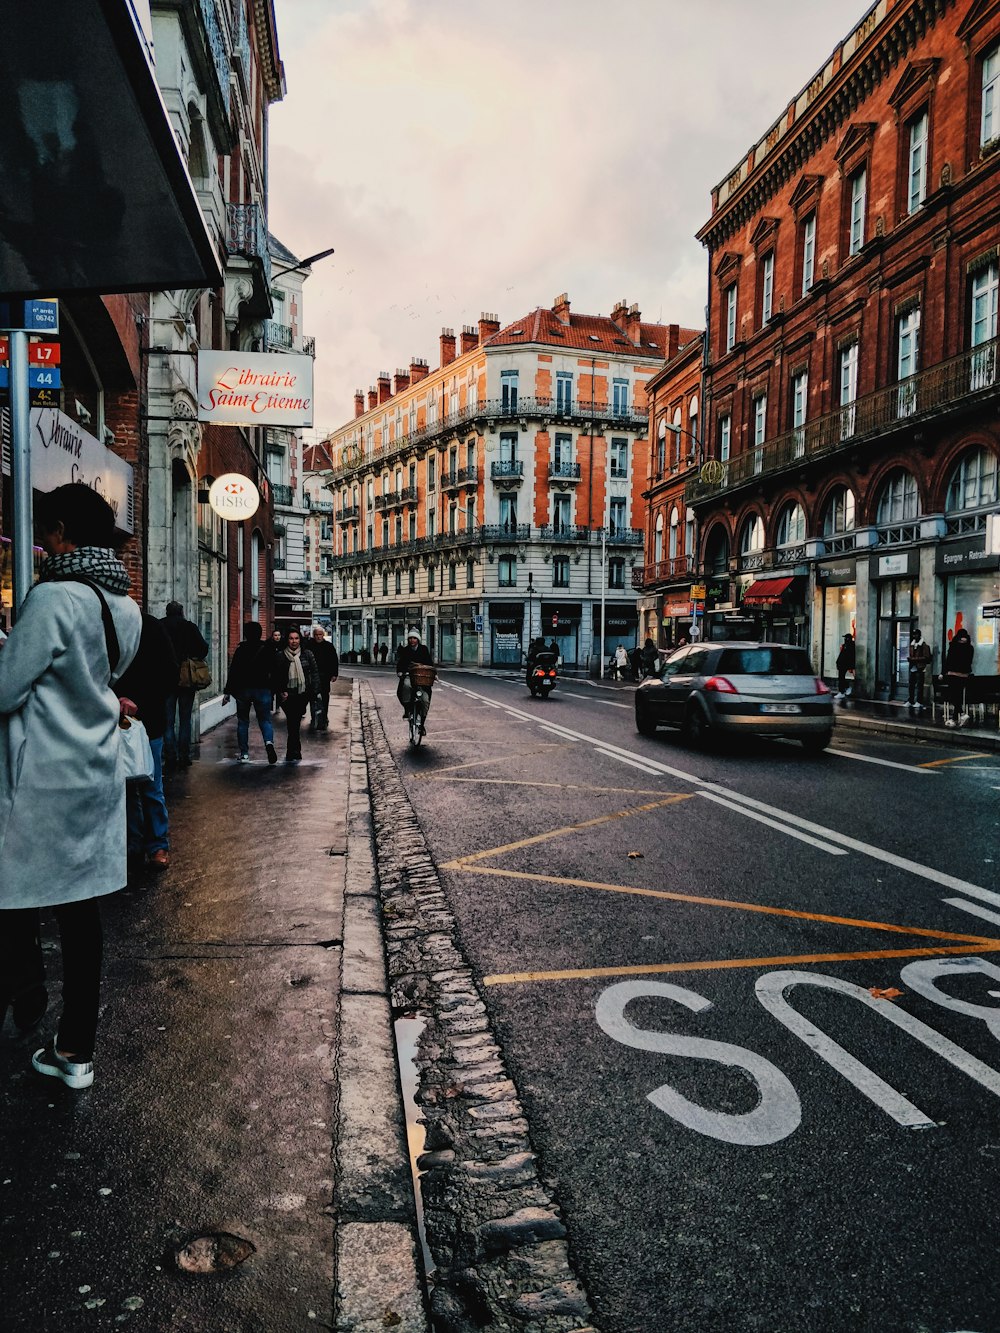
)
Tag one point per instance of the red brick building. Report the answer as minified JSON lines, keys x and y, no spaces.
{"x":851,"y":385}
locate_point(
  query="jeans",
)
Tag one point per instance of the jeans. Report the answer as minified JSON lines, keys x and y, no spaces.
{"x":177,"y":744}
{"x":22,"y":967}
{"x":261,"y":700}
{"x":146,"y":810}
{"x":916,"y":695}
{"x":294,"y":708}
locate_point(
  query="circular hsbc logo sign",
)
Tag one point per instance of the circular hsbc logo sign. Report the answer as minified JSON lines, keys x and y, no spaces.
{"x":234,"y":497}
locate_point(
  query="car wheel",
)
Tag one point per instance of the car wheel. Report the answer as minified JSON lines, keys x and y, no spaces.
{"x":817,"y":743}
{"x":694,"y":728}
{"x":644,"y":724}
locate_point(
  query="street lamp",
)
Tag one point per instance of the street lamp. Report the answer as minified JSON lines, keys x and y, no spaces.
{"x":303,"y":263}
{"x":531,"y":593}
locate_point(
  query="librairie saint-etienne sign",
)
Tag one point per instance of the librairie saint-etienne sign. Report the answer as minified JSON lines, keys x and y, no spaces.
{"x":255,"y":389}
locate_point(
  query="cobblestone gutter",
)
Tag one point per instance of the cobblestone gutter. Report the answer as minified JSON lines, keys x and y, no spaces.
{"x":493,"y":1227}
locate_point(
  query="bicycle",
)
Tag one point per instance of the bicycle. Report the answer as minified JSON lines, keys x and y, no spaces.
{"x":421,"y":681}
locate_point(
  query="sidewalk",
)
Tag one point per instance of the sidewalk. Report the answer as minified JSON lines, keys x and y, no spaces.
{"x":242,"y":1150}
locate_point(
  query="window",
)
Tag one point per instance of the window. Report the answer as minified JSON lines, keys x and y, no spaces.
{"x":898,"y":501}
{"x":752,"y":536}
{"x":470,"y":573}
{"x":453,"y":518}
{"x":800,"y":400}
{"x":766,"y":287}
{"x":560,"y":513}
{"x":808,"y":253}
{"x":989,"y":124}
{"x":470,"y":513}
{"x":343,"y":588}
{"x":619,"y":458}
{"x":508,"y":391}
{"x":412,"y":580}
{"x":431,"y":522}
{"x":717,"y":551}
{"x":369,"y":537}
{"x":759,"y":430}
{"x":432,"y":408}
{"x":616,"y":572}
{"x":431,"y":471}
{"x":564,"y":391}
{"x":916,"y":188}
{"x":984,"y":325}
{"x":907,"y":348}
{"x":325,"y":598}
{"x":848,"y":389}
{"x":507,"y":571}
{"x":508,"y":513}
{"x":399,"y":529}
{"x":730,"y":299}
{"x":560,"y":571}
{"x":412,"y":476}
{"x":385,"y":532}
{"x":838,"y":517}
{"x":431,"y":577}
{"x":617,"y":511}
{"x":791,"y":525}
{"x":661,"y":447}
{"x":973,"y":484}
{"x":508,"y":448}
{"x":689,"y":535}
{"x":619,"y":397}
{"x":676,"y":427}
{"x":859,"y":202}
{"x":452,"y":576}
{"x":692,"y":426}
{"x":675,"y":521}
{"x":562,"y":452}
{"x":658,"y":539}
{"x":470,"y":454}
{"x":399,"y":582}
{"x":725,"y":436}
{"x":413,"y":527}
{"x":385,"y":583}
{"x":370,"y":584}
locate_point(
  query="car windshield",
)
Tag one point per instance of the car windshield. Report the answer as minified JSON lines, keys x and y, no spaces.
{"x":764,"y":662}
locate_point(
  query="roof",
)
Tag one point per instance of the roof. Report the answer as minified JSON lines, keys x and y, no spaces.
{"x":587,"y":333}
{"x":316,"y":457}
{"x":279,"y":251}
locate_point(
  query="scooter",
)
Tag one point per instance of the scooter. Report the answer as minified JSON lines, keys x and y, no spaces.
{"x":542,"y":675}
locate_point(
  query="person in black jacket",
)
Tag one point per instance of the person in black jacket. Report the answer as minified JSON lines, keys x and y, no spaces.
{"x":143,"y":692}
{"x":187,"y":641}
{"x":295,"y":681}
{"x":328,"y":666}
{"x":846,"y":661}
{"x":414,"y":650}
{"x":957,"y":670}
{"x":249,"y":682}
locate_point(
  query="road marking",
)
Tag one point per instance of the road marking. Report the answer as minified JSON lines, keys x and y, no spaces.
{"x":726,"y":964}
{"x":885,"y":763}
{"x":634,"y":763}
{"x":524,"y":782}
{"x":957,"y":759}
{"x":608,"y":703}
{"x":494,"y":759}
{"x":774,"y":823}
{"x":973,"y":909}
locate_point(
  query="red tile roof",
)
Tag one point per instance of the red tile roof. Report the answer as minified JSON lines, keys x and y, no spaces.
{"x":588,"y":333}
{"x":316,"y":457}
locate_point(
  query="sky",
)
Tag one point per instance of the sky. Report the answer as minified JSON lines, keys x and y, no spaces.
{"x":485,"y":155}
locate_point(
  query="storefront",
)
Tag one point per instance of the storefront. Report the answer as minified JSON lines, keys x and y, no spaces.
{"x":777,"y":605}
{"x":506,"y":625}
{"x":561,"y":621}
{"x":837,"y":609}
{"x":895,"y":578}
{"x":621,"y":626}
{"x":971,"y":578}
{"x":675,"y":617}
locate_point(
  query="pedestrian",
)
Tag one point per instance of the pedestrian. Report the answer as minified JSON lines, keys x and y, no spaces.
{"x":649,"y":656}
{"x":683,"y":640}
{"x":919,"y":659}
{"x":296,"y":682}
{"x":846,"y":660}
{"x":249,"y":683}
{"x":143,"y":691}
{"x":188,"y":642}
{"x":413,"y":651}
{"x":554,"y":649}
{"x":621,"y":662}
{"x":328,"y":666}
{"x":635,"y":662}
{"x":957,"y":670}
{"x":383,"y":652}
{"x":62,"y":797}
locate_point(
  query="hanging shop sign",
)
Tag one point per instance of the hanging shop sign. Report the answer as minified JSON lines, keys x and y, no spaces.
{"x":234,"y":497}
{"x":255,"y":389}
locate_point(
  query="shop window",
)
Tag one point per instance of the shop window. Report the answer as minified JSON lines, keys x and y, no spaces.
{"x":973,"y":483}
{"x":791,"y":525}
{"x":838,"y":516}
{"x":898,"y":501}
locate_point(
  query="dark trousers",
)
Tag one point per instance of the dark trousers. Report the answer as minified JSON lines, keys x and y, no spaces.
{"x":22,"y":968}
{"x":294,"y":708}
{"x":321,"y":707}
{"x":177,"y":737}
{"x":916,"y":692}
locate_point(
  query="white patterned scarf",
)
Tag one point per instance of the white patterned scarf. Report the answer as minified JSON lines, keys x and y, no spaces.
{"x":296,"y":676}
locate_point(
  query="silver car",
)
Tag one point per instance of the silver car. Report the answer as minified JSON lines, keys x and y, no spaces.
{"x":760,"y":689}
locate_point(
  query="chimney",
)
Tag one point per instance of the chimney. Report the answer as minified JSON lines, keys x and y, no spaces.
{"x":372,"y":398}
{"x":489,"y":325}
{"x":384,"y":386}
{"x":673,"y":340}
{"x":618,"y":313}
{"x":560,"y":308}
{"x":447,"y":346}
{"x":419,"y":370}
{"x":400,"y":381}
{"x":470,"y":338}
{"x":359,"y":403}
{"x":633,"y":326}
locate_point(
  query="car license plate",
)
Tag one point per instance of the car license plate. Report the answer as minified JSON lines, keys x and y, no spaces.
{"x":780,"y":708}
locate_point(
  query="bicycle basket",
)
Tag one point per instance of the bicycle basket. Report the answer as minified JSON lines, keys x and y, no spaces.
{"x":423,"y":676}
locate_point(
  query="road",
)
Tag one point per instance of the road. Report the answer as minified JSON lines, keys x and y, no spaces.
{"x":735,"y":993}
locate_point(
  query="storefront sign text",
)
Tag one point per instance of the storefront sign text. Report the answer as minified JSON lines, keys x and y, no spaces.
{"x":255,"y":389}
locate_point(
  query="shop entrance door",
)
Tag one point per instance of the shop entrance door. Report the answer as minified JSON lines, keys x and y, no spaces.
{"x":898,"y":605}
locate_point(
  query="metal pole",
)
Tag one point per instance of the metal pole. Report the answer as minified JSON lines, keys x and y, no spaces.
{"x":20,"y":412}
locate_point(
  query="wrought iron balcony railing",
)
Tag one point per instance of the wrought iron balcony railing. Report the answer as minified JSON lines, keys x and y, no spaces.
{"x":320,"y":506}
{"x":283,"y":495}
{"x":506,"y":469}
{"x":309,"y":346}
{"x":216,"y":42}
{"x":663,"y":571}
{"x":278,"y":335}
{"x":348,"y":513}
{"x":564,"y":472}
{"x":246,"y":234}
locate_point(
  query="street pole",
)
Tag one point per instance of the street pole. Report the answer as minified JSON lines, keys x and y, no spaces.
{"x":20,"y":413}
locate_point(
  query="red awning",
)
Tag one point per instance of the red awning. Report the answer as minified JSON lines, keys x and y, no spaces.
{"x":766,"y":592}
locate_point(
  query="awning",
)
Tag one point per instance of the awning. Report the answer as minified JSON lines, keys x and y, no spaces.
{"x":767,"y":592}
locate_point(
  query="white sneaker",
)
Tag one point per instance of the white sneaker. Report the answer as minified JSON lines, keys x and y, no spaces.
{"x":950,"y":722}
{"x":244,"y":759}
{"x":962,"y":719}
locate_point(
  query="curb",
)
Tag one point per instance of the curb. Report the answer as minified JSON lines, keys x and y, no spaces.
{"x":959,"y":738}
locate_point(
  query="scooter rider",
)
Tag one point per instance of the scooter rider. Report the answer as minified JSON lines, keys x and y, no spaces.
{"x":412,"y":652}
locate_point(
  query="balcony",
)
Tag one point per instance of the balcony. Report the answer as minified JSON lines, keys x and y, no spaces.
{"x":277,"y":335}
{"x":625,"y":536}
{"x":507,"y":472}
{"x":565,"y":532}
{"x":966,"y":379}
{"x":348,"y":514}
{"x":279,"y":562}
{"x":408,"y":495}
{"x":309,"y":346}
{"x":320,"y":506}
{"x":216,"y":43}
{"x":283,"y":495}
{"x":663,"y":571}
{"x":564,"y":472}
{"x":506,"y":532}
{"x":246,"y":237}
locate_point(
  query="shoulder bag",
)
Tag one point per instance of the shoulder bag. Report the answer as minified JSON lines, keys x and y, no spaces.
{"x":194,"y":674}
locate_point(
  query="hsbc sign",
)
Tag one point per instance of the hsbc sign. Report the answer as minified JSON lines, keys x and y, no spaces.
{"x":234,"y":497}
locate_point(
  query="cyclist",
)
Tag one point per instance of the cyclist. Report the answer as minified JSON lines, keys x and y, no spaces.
{"x":412,"y":652}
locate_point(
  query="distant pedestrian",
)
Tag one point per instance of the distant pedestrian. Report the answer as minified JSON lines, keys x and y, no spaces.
{"x":188,"y":642}
{"x":383,"y":652}
{"x":296,"y":682}
{"x":683,"y":641}
{"x":328,"y":666}
{"x":554,"y":648}
{"x":249,"y":683}
{"x":957,"y":670}
{"x":143,"y":691}
{"x":621,"y":662}
{"x":919,"y":659}
{"x":846,"y":663}
{"x":649,"y":656}
{"x":62,"y":798}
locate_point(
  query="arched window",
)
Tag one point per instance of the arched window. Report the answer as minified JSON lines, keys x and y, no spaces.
{"x":689,"y":535}
{"x":658,"y":539}
{"x":717,"y":551}
{"x":791,"y":525}
{"x":973,"y":483}
{"x":898,"y":502}
{"x":678,"y":427}
{"x":752,"y":535}
{"x":674,"y":529}
{"x":661,"y":446}
{"x":838,"y":516}
{"x":692,"y":424}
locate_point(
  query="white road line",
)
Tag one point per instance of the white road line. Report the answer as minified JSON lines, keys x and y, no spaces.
{"x":633,"y":763}
{"x":885,"y":763}
{"x":775,"y":824}
{"x":974,"y":909}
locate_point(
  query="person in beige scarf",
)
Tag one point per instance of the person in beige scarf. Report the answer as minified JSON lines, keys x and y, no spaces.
{"x":296,"y":684}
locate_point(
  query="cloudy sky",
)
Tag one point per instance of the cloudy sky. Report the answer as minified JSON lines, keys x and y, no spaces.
{"x":471,"y":155}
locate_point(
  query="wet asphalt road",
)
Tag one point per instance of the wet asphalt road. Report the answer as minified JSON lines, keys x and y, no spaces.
{"x":734,"y":1148}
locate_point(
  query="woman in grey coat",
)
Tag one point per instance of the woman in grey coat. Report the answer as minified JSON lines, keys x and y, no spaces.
{"x":62,"y":788}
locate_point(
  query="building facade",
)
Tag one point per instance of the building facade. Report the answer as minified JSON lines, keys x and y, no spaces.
{"x":851,"y":388}
{"x":498,"y":497}
{"x":318,"y":538}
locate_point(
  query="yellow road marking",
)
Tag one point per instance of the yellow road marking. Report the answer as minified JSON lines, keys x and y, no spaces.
{"x":560,"y":786}
{"x":724,"y":964}
{"x":735,"y":904}
{"x":463,"y":861}
{"x":958,"y":759}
